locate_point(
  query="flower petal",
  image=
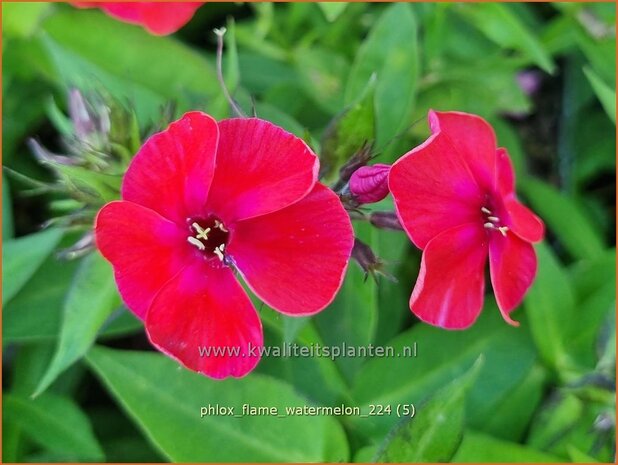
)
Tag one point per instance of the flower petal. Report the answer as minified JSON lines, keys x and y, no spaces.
{"x":172,"y":172}
{"x":295,"y":259}
{"x":505,"y":175}
{"x":160,"y":18}
{"x":260,"y":169}
{"x":522,"y":221}
{"x":434,"y":190}
{"x":512,"y":263}
{"x":128,"y":12}
{"x":145,"y":249}
{"x":451,"y":282}
{"x":163,"y":18}
{"x":473,"y":138}
{"x":205,"y":309}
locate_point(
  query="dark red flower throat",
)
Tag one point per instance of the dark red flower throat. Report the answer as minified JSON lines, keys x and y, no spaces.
{"x":208,"y":235}
{"x":493,"y":215}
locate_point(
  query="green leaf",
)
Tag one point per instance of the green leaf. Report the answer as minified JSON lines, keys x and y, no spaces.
{"x":578,"y":456}
{"x":71,"y":70}
{"x":492,"y":91}
{"x":21,"y":19}
{"x":332,"y":10}
{"x":504,"y":27}
{"x":105,"y":186}
{"x":606,"y":95}
{"x":91,"y":299}
{"x":35,"y":312}
{"x":403,"y":379}
{"x":555,"y":420}
{"x":510,"y":416}
{"x":393,"y":247}
{"x":351,"y":318}
{"x":55,"y":423}
{"x":322,"y":74}
{"x":601,"y":53}
{"x":564,"y":218}
{"x":348,"y":132}
{"x":551,"y":311}
{"x":318,"y":378}
{"x":160,"y":56}
{"x":8,"y":230}
{"x":434,"y":433}
{"x":594,"y":283}
{"x":22,"y":257}
{"x":169,"y":413}
{"x":480,"y":448}
{"x":391,"y":52}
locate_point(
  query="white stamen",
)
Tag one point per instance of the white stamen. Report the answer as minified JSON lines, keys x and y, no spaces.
{"x":489,"y":225}
{"x":493,"y":219}
{"x":219,"y":225}
{"x":201,"y":232}
{"x":219,"y":251}
{"x":503,"y":230}
{"x":486,"y":211}
{"x":196,"y":242}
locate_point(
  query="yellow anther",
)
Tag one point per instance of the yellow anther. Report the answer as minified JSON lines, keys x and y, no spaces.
{"x":201,"y":232}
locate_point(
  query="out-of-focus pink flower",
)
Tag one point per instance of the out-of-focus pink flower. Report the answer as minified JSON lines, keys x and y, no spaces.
{"x":455,"y":197}
{"x":203,"y":200}
{"x":159,"y":18}
{"x":369,"y":184}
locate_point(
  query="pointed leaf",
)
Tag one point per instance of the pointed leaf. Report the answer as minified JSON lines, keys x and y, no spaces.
{"x":55,"y":423}
{"x":166,"y":402}
{"x":91,"y":299}
{"x":434,"y":433}
{"x":22,"y":257}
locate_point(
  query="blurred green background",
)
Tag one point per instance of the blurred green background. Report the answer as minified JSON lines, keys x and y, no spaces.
{"x":80,"y":381}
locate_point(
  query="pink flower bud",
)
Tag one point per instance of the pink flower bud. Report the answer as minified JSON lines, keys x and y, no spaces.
{"x":369,"y":184}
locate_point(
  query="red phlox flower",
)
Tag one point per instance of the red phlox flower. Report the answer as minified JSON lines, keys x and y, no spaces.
{"x":455,"y":197}
{"x":202,"y":200}
{"x":159,"y":18}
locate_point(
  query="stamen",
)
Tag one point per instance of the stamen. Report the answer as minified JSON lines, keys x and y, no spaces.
{"x":486,"y":211}
{"x":219,"y":225}
{"x":219,"y":252}
{"x":196,"y":242}
{"x":202,"y":233}
{"x":493,"y":219}
{"x":489,"y":225}
{"x":503,"y":230}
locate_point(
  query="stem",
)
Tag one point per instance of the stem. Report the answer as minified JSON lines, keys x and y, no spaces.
{"x":236,"y":110}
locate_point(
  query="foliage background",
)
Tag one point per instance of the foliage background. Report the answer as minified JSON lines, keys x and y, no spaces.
{"x":543,"y":392}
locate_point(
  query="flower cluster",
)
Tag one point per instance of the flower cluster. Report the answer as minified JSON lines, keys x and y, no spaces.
{"x":206,"y":205}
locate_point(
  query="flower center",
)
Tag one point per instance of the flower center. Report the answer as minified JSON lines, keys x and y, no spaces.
{"x":492,"y":222}
{"x":209,"y":235}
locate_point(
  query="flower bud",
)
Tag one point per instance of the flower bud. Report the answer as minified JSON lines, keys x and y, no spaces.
{"x":369,"y":184}
{"x":370,"y":263}
{"x":385,"y":220}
